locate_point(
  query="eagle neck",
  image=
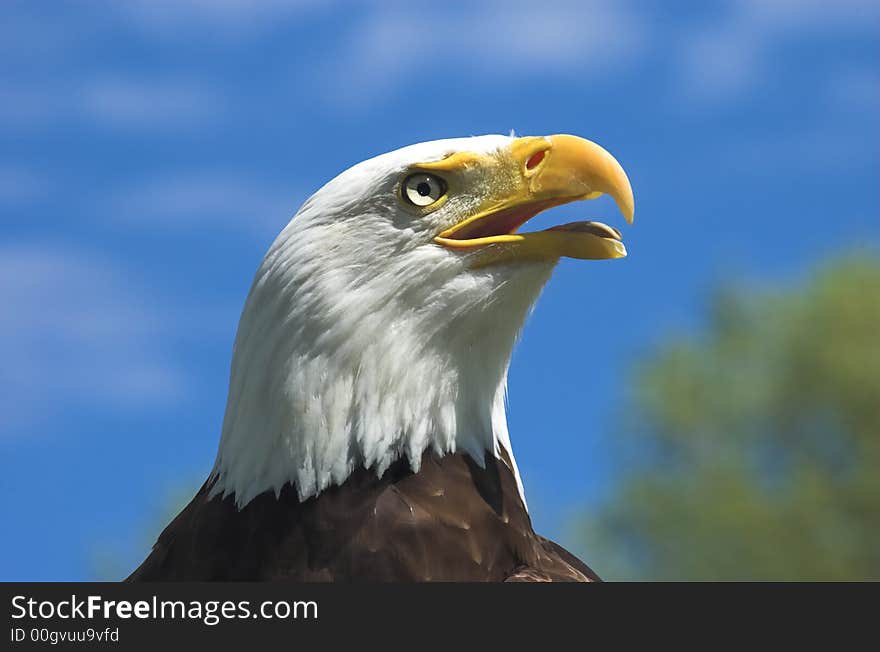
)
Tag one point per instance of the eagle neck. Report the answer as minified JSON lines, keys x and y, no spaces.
{"x":336,"y":370}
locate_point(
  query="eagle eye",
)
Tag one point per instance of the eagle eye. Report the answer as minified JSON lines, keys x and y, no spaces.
{"x":423,"y":189}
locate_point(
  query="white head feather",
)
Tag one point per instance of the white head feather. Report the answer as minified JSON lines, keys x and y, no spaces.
{"x":363,"y":342}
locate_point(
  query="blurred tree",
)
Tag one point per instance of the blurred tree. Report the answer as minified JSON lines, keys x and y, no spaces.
{"x":753,"y":452}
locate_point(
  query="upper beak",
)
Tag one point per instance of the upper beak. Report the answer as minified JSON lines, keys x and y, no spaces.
{"x":577,"y":168}
{"x":550,"y":171}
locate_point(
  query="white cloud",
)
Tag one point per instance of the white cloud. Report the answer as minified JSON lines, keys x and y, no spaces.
{"x":111,"y":101}
{"x":141,"y":104}
{"x":28,"y":107}
{"x":400,"y":43}
{"x":74,"y":333}
{"x":806,"y":152}
{"x":194,"y":201}
{"x":379,"y":49}
{"x":793,"y":15}
{"x":726,"y":58}
{"x":383,"y":47}
{"x":720,"y":62}
{"x":856,"y":89}
{"x":228,"y":18}
{"x":19,"y":185}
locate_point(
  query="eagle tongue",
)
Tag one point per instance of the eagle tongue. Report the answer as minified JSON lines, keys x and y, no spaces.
{"x":596,"y":228}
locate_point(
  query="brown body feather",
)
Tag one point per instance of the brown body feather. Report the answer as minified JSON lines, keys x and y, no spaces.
{"x":451,"y":521}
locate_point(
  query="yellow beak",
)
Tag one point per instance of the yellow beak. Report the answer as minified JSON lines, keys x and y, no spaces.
{"x":546,"y":172}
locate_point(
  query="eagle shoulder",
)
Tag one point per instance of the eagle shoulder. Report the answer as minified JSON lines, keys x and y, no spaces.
{"x":453,"y":520}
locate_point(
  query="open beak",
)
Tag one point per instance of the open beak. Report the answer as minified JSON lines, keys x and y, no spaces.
{"x":548,"y":171}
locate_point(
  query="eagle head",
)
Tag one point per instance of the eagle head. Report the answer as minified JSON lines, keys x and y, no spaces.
{"x":381,"y":321}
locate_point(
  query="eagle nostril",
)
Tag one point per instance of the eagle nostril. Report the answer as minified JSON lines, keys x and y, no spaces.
{"x":535,"y":159}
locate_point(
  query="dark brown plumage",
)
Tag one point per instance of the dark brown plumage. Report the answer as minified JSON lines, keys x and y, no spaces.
{"x":451,"y":521}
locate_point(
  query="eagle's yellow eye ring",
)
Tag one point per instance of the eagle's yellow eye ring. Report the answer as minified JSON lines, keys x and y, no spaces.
{"x":422,"y":189}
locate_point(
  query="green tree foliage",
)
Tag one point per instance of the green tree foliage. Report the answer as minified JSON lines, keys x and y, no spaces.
{"x":753,"y":451}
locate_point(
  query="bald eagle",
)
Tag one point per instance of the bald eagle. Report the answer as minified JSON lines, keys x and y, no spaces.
{"x":365,"y":434}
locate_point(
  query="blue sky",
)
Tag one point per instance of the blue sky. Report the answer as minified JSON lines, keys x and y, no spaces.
{"x":151,"y":150}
